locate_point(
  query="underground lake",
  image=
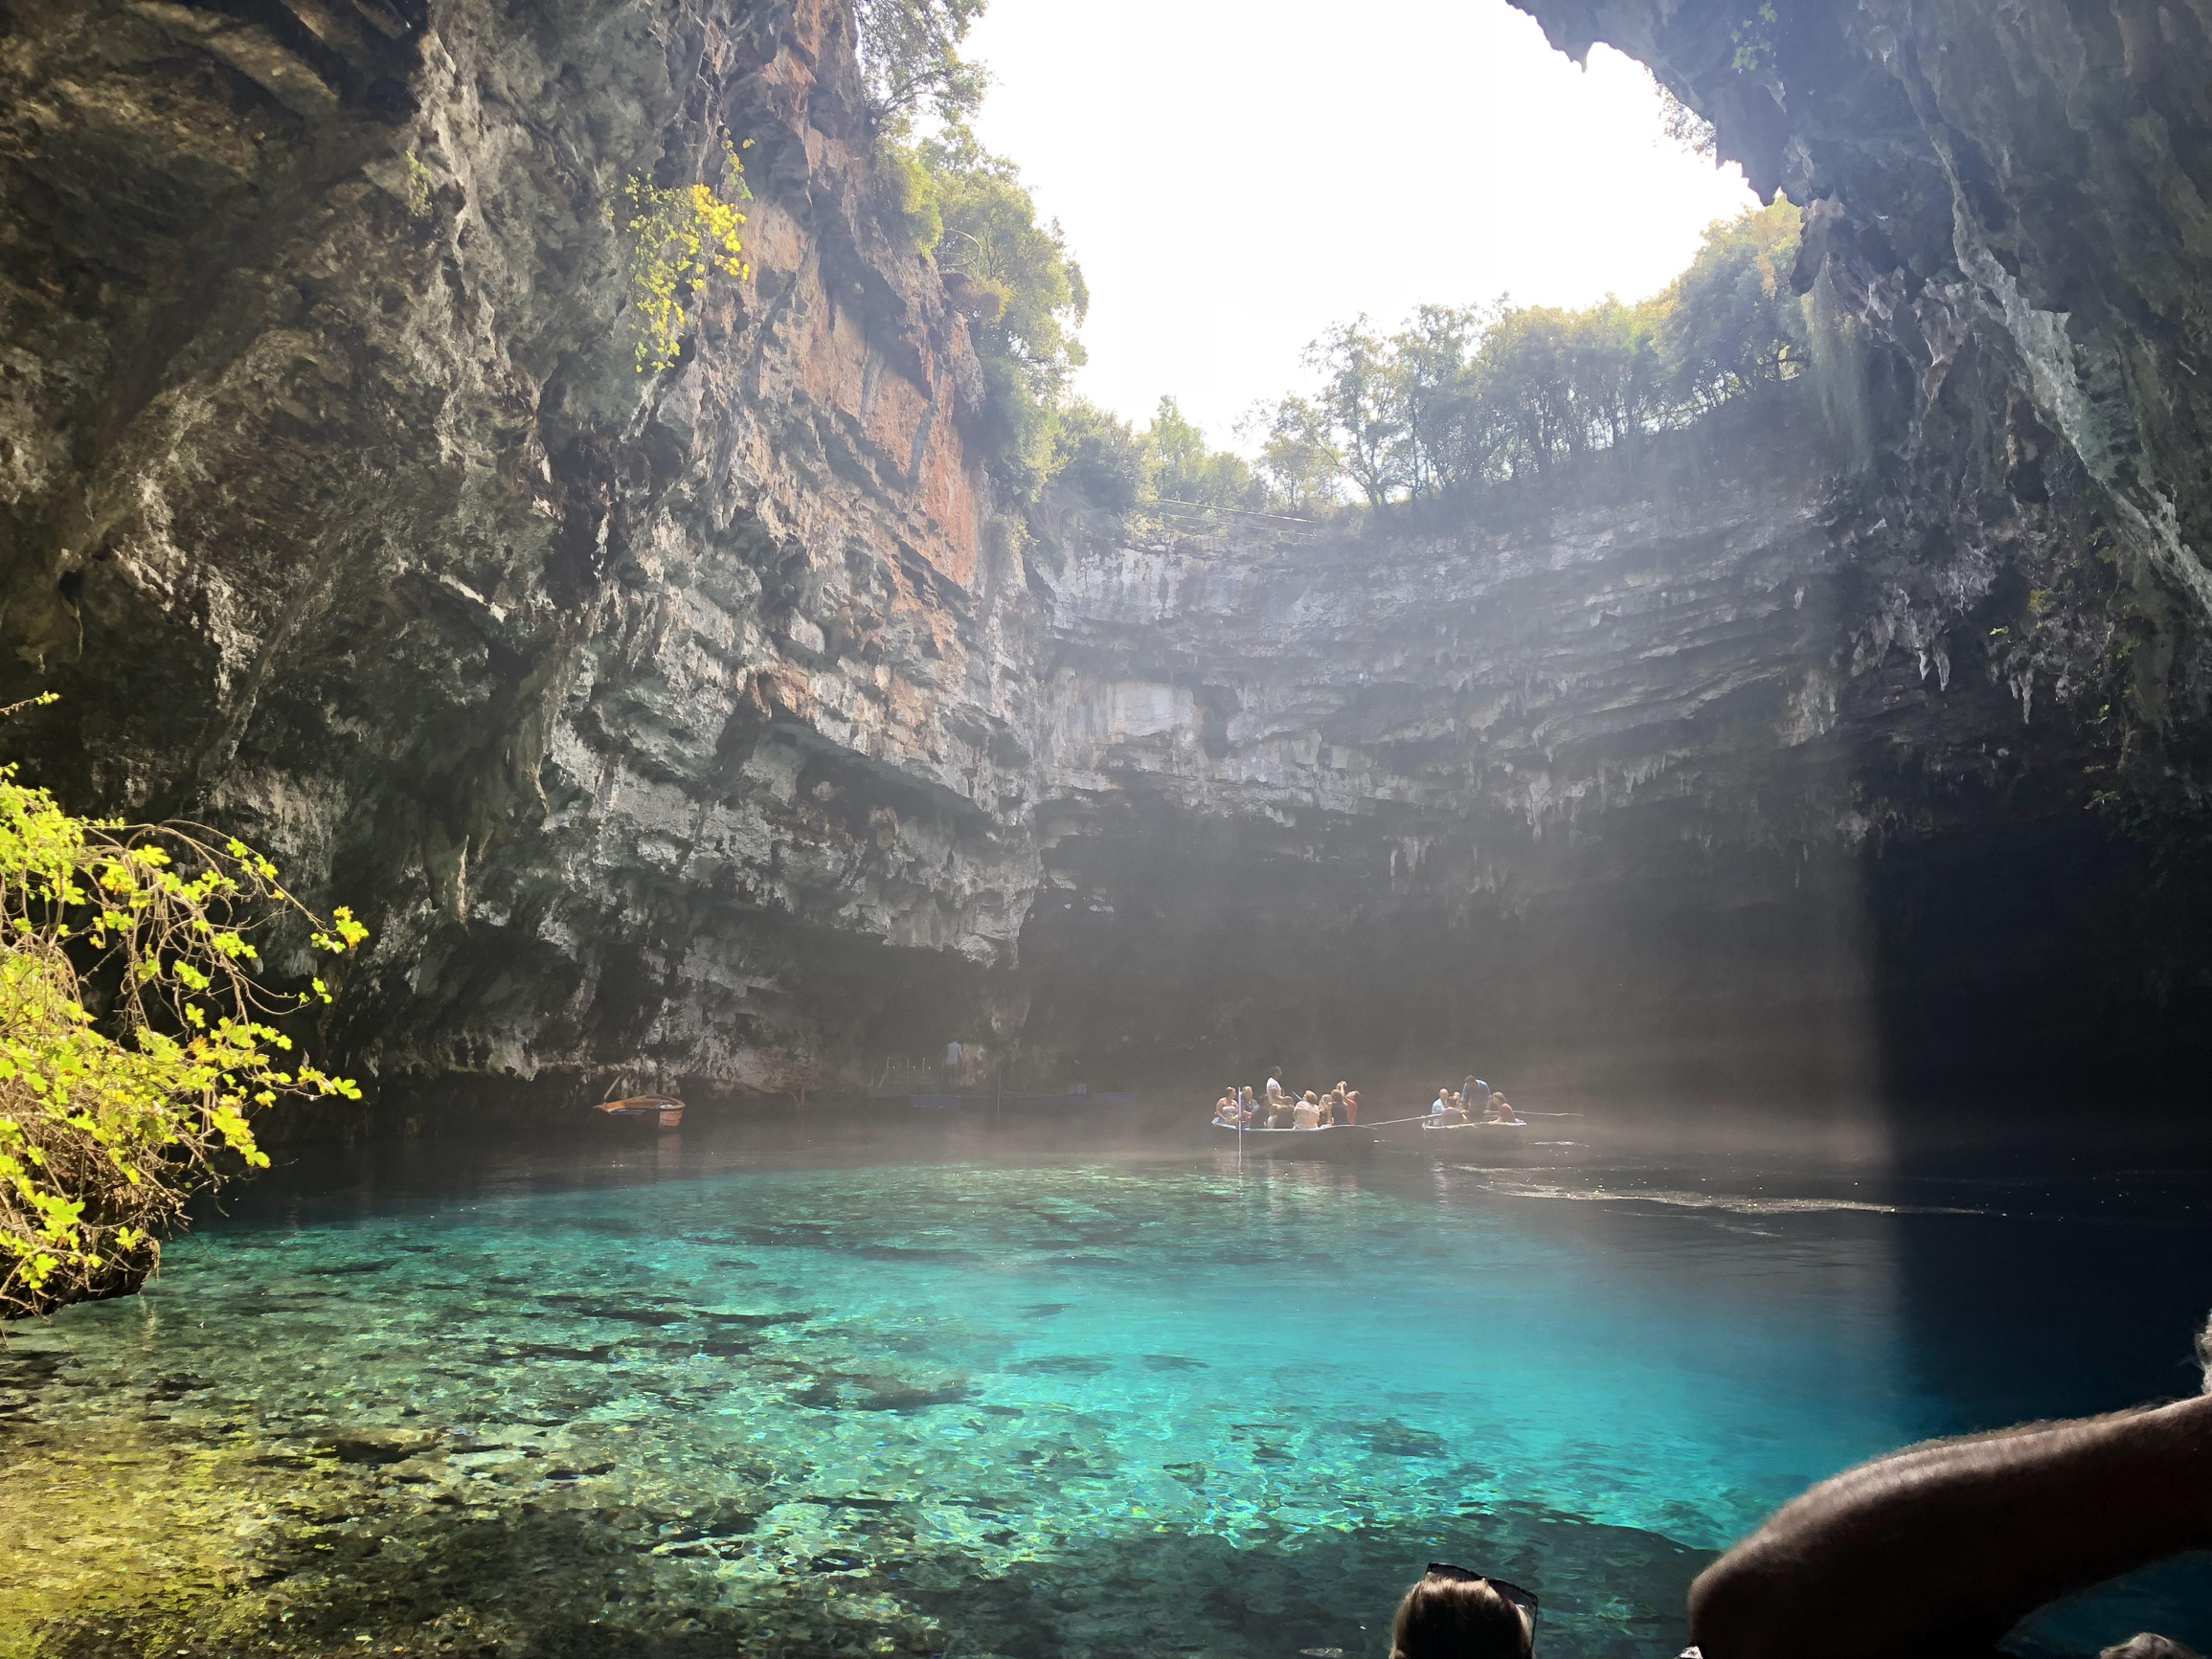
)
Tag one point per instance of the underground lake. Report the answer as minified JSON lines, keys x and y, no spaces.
{"x":765,"y":1389}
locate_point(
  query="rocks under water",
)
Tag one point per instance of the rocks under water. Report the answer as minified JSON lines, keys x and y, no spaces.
{"x":1162,"y":1404}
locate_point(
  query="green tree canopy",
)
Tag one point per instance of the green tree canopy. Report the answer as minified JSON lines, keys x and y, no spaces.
{"x":1732,"y":320}
{"x":1023,"y":295}
{"x":1462,"y":396}
{"x":1192,"y":470}
{"x":1112,"y":463}
{"x":910,"y":62}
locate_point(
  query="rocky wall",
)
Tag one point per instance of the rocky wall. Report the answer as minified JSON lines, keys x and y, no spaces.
{"x":713,"y":728}
{"x":1708,"y":768}
{"x":627,"y":707}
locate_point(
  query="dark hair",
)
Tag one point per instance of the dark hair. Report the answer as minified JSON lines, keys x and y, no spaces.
{"x":1457,"y":1618}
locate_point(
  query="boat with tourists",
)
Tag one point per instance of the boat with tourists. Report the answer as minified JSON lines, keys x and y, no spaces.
{"x":1429,"y":1126}
{"x":662,"y":1111}
{"x":1342,"y":1142}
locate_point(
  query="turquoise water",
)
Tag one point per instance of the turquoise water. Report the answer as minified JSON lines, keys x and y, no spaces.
{"x":683,"y":1395}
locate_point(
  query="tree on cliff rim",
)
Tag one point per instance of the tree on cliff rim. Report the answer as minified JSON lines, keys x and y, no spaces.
{"x":910,"y":62}
{"x":1463,"y":398}
{"x":135,"y":1042}
{"x":1022,"y":294}
{"x":1169,"y":462}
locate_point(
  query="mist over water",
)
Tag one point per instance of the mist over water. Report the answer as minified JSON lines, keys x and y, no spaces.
{"x":952,"y":1389}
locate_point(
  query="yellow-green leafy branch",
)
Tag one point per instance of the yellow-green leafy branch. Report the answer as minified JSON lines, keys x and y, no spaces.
{"x":678,"y":237}
{"x":110,"y":1120}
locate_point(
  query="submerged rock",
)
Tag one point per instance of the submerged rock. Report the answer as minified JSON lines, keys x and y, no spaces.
{"x":383,"y":1445}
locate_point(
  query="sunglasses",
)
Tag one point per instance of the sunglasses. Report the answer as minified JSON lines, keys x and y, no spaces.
{"x":1514,"y":1593}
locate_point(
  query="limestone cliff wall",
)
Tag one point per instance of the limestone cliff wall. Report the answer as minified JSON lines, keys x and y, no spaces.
{"x":2010,"y":206}
{"x":332,"y":503}
{"x":1677,"y":767}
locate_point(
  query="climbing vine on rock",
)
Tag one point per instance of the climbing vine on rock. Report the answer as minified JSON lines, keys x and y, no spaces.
{"x":1753,"y":39}
{"x":136,"y":1043}
{"x":678,"y":238}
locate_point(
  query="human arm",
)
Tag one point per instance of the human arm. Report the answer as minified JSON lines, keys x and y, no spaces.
{"x":1946,"y":1546}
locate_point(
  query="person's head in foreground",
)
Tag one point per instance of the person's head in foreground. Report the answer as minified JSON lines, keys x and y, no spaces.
{"x":1455,"y":1614}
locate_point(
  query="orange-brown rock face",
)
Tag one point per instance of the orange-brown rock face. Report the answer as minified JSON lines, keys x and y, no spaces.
{"x":645,"y":716}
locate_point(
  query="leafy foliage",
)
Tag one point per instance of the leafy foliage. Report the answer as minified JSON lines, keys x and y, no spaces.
{"x":911,"y":63}
{"x":911,"y":191}
{"x":678,"y":237}
{"x":1462,"y":396}
{"x":420,"y":196}
{"x":135,"y":1044}
{"x":1022,"y":293}
{"x":1104,"y":458}
{"x":1733,"y":321}
{"x":1191,"y":471}
{"x":1121,"y":469}
{"x":1754,"y":40}
{"x":1685,"y":126}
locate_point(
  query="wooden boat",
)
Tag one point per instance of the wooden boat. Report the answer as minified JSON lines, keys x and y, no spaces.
{"x":1455,"y":1128}
{"x":663,"y":1111}
{"x":1341,"y":1141}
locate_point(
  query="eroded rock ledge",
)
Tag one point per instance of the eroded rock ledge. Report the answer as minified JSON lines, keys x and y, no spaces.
{"x":718,"y":728}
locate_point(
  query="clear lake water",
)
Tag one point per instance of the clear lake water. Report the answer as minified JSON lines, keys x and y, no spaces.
{"x":949,"y":1392}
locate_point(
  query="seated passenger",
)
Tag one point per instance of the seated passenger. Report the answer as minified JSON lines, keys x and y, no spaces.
{"x":1247,"y":1108}
{"x":1351,"y":1106}
{"x":1307,"y":1113}
{"x":1500,"y":1110}
{"x":1455,"y":1614}
{"x":1225,"y":1109}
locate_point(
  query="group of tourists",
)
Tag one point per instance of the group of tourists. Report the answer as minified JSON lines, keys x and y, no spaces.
{"x":1473,"y":1101}
{"x":1280,"y":1108}
{"x":1275,"y":1106}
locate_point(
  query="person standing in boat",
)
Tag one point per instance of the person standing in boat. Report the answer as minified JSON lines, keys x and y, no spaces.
{"x":1474,"y":1091}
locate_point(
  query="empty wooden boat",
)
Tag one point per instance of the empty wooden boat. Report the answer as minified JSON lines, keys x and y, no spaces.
{"x":663,"y":1111}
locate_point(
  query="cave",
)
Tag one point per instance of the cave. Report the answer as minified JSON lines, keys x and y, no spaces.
{"x":731,"y":726}
{"x":551,"y":474}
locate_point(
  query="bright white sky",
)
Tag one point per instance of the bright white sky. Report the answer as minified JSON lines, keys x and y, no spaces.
{"x":1234,"y":175}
